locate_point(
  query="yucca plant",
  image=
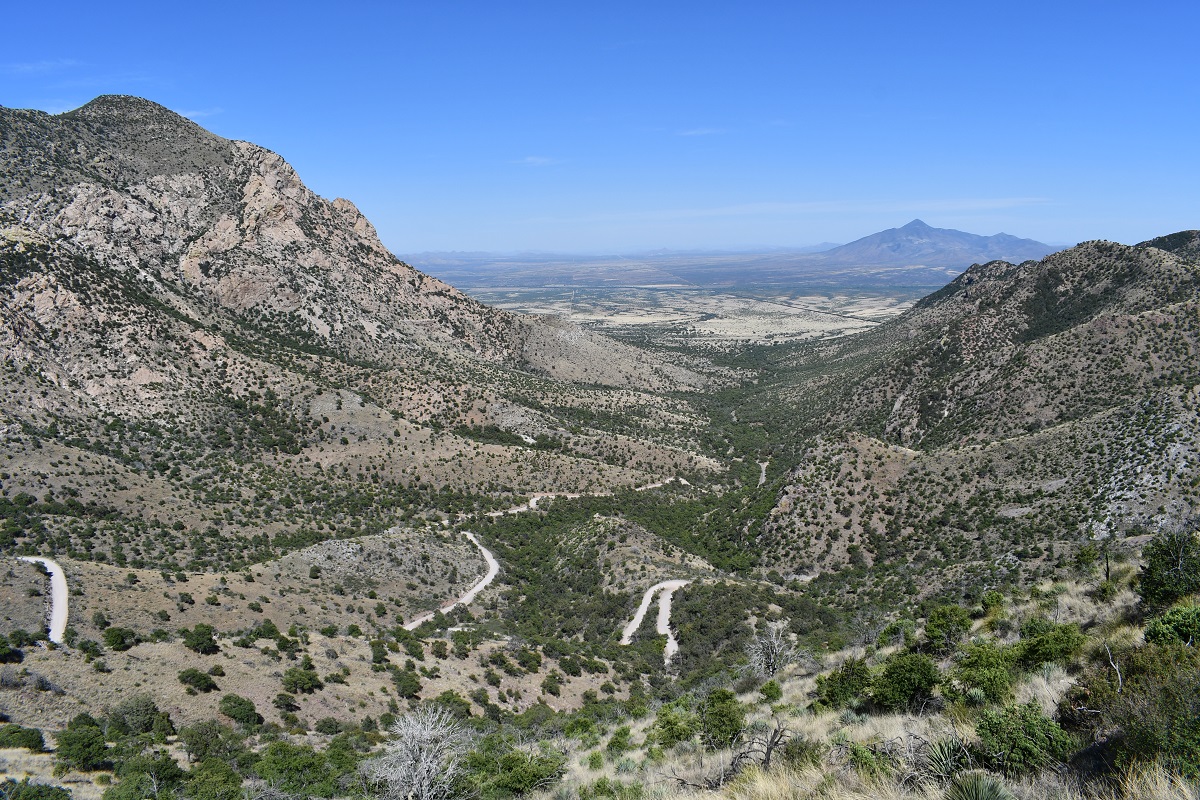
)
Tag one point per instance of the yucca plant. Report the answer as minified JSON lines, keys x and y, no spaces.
{"x":978,"y":786}
{"x":945,"y":758}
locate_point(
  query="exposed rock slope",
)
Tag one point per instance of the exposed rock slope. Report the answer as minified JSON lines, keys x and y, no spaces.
{"x":182,"y":318}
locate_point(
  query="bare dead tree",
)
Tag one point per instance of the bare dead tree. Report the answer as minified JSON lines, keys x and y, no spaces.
{"x":422,"y":759}
{"x":754,"y":745}
{"x":770,"y":649}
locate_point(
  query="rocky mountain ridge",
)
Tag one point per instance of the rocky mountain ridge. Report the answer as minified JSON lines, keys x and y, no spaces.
{"x":143,"y":190}
{"x":1018,"y":412}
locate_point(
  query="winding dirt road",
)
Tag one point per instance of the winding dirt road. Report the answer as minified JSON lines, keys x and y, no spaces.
{"x":664,"y":590}
{"x":469,"y":596}
{"x":58,"y":595}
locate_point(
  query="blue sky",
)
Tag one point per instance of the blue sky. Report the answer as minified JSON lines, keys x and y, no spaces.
{"x":620,"y":126}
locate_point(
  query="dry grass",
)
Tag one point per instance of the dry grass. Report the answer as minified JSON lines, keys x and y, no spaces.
{"x":1046,"y":687}
{"x":19,"y":764}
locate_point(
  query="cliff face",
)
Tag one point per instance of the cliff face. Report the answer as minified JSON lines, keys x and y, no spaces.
{"x":201,"y":219}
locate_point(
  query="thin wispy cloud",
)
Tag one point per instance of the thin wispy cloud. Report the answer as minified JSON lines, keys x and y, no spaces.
{"x":35,"y":67}
{"x":201,"y":113}
{"x":537,"y":161}
{"x":967,"y":204}
{"x":700,"y":132}
{"x":806,"y":208}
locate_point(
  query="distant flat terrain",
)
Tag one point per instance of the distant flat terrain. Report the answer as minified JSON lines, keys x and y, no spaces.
{"x":702,"y":315}
{"x":783,"y":269}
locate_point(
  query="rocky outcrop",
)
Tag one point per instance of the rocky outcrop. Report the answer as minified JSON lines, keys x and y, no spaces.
{"x":142,"y":191}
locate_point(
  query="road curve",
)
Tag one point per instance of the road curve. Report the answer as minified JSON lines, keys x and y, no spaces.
{"x":58,"y":595}
{"x":664,"y":619}
{"x":667,"y":588}
{"x":469,"y":596}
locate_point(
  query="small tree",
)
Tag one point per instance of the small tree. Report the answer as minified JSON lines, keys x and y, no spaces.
{"x":906,"y":681}
{"x":15,"y":736}
{"x":845,"y":685}
{"x":1179,"y":624}
{"x":1172,"y":568}
{"x":946,"y":626}
{"x":195,"y":679}
{"x":240,"y":709}
{"x":81,"y":746}
{"x":722,"y":719}
{"x":422,"y":760}
{"x":201,"y":639}
{"x":301,"y":681}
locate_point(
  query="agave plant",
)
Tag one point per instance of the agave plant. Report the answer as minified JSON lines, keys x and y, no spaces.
{"x":978,"y":786}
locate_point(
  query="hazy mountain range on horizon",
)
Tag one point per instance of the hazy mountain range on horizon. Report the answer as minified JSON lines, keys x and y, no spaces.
{"x":914,"y":256}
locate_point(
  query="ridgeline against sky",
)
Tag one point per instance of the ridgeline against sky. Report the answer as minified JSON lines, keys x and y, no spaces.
{"x":620,"y":127}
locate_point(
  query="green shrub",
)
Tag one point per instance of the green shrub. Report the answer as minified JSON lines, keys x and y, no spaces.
{"x":11,"y":790}
{"x":1152,"y":705}
{"x":328,"y":726}
{"x":297,"y":680}
{"x":138,"y":715}
{"x":201,"y":639}
{"x":145,"y":775}
{"x":496,"y":769}
{"x":81,"y":746}
{"x":120,"y":639}
{"x":16,"y":736}
{"x":771,"y":691}
{"x":992,"y":600}
{"x":1178,"y":624}
{"x":8,"y":653}
{"x":296,"y":768}
{"x":845,"y":685}
{"x":1046,"y":642}
{"x":985,"y":666}
{"x":407,"y":682}
{"x":1020,"y":738}
{"x":455,"y":703}
{"x":622,"y":740}
{"x":195,"y":679}
{"x":552,"y":683}
{"x":214,"y":780}
{"x":907,"y":681}
{"x":901,"y":631}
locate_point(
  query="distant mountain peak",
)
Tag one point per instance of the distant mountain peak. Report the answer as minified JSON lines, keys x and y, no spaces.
{"x":920,"y":244}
